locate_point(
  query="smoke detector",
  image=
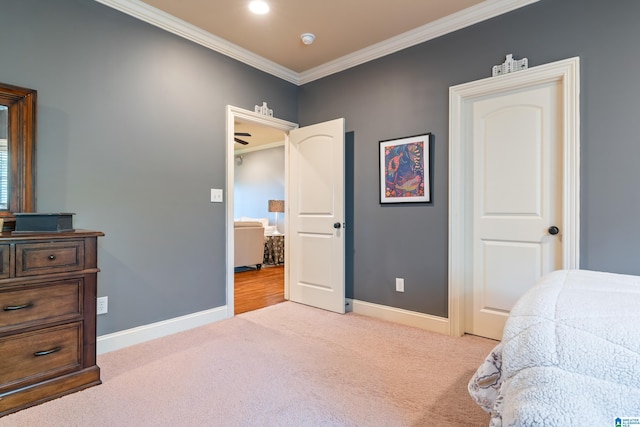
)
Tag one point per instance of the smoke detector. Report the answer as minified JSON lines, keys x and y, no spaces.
{"x":307,"y":38}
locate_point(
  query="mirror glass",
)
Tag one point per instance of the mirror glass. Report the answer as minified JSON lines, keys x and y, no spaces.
{"x":17,"y":151}
{"x":4,"y":159}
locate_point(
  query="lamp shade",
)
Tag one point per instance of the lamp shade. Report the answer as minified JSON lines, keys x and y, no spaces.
{"x":276,"y":205}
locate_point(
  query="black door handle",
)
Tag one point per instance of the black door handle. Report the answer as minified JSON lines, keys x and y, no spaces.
{"x":553,"y":230}
{"x":337,"y":225}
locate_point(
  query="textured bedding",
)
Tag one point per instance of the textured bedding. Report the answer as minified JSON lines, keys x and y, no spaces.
{"x":570,"y":354}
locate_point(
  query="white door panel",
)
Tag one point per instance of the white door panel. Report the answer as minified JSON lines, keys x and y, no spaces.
{"x":517,"y":186}
{"x":313,"y":277}
{"x":509,"y":268}
{"x":316,"y":204}
{"x":512,"y":165}
{"x":315,"y":176}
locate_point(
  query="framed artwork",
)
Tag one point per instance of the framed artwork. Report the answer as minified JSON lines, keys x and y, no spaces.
{"x":405,"y":169}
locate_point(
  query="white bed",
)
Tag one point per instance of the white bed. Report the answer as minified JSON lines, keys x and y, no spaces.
{"x":570,"y":354}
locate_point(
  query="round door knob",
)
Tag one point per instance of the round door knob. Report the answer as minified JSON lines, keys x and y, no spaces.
{"x":553,"y":230}
{"x":337,"y":225}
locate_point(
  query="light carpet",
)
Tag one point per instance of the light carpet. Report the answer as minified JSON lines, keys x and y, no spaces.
{"x":284,"y":365}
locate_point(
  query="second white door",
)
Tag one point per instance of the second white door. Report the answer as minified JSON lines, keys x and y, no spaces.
{"x":517,"y":200}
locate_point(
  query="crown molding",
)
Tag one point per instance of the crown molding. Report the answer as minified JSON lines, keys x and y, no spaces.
{"x":467,"y":17}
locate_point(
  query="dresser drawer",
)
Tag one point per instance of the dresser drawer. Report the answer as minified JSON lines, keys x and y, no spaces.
{"x":46,"y":302}
{"x":44,"y":258}
{"x":5,"y":268}
{"x":34,"y":356}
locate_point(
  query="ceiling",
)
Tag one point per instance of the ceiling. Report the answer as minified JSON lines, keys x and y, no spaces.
{"x":348,"y":32}
{"x":261,"y":137}
{"x":341,"y":27}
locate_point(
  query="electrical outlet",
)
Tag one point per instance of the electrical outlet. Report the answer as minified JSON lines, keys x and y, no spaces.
{"x":103,"y":305}
{"x":399,"y":284}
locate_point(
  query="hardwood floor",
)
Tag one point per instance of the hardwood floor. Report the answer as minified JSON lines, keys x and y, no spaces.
{"x":256,"y":289}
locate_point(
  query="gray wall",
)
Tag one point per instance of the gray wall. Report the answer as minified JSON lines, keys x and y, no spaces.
{"x":258,"y":179}
{"x":131,"y":138}
{"x":131,"y":131}
{"x":407,"y":93}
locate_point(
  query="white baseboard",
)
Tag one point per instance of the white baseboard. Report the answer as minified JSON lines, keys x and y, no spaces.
{"x":140,"y":334}
{"x":398,"y":315}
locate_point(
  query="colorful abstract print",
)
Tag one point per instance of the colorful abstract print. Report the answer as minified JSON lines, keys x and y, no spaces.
{"x":404,"y":170}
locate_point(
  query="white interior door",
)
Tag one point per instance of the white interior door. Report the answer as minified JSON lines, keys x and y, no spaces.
{"x":517,"y":198}
{"x":315,"y":208}
{"x":465,"y":271}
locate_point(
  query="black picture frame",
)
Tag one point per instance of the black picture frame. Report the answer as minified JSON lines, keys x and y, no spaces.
{"x":405,"y":169}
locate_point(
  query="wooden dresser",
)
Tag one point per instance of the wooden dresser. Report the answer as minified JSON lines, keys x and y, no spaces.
{"x":47,"y":316}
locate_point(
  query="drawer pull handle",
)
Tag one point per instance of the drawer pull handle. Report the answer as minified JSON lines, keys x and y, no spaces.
{"x":46,"y":352}
{"x":52,"y":257}
{"x":17,"y":307}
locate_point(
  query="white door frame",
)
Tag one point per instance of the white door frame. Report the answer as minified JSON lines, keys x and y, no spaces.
{"x":567,"y":73}
{"x":233,"y":114}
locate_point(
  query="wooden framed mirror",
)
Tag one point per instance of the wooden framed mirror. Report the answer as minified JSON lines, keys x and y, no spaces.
{"x":17,"y":151}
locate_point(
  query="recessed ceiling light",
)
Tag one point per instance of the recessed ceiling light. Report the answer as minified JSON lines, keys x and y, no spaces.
{"x":259,"y":7}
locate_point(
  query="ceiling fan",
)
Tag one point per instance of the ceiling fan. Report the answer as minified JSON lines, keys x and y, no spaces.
{"x":241,"y":141}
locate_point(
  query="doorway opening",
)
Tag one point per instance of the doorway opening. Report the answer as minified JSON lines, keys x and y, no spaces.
{"x":264,"y":281}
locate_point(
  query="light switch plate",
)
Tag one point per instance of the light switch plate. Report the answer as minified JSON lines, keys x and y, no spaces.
{"x":216,"y":195}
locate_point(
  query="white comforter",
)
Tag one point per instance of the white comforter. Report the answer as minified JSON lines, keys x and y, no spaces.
{"x":570,"y":354}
